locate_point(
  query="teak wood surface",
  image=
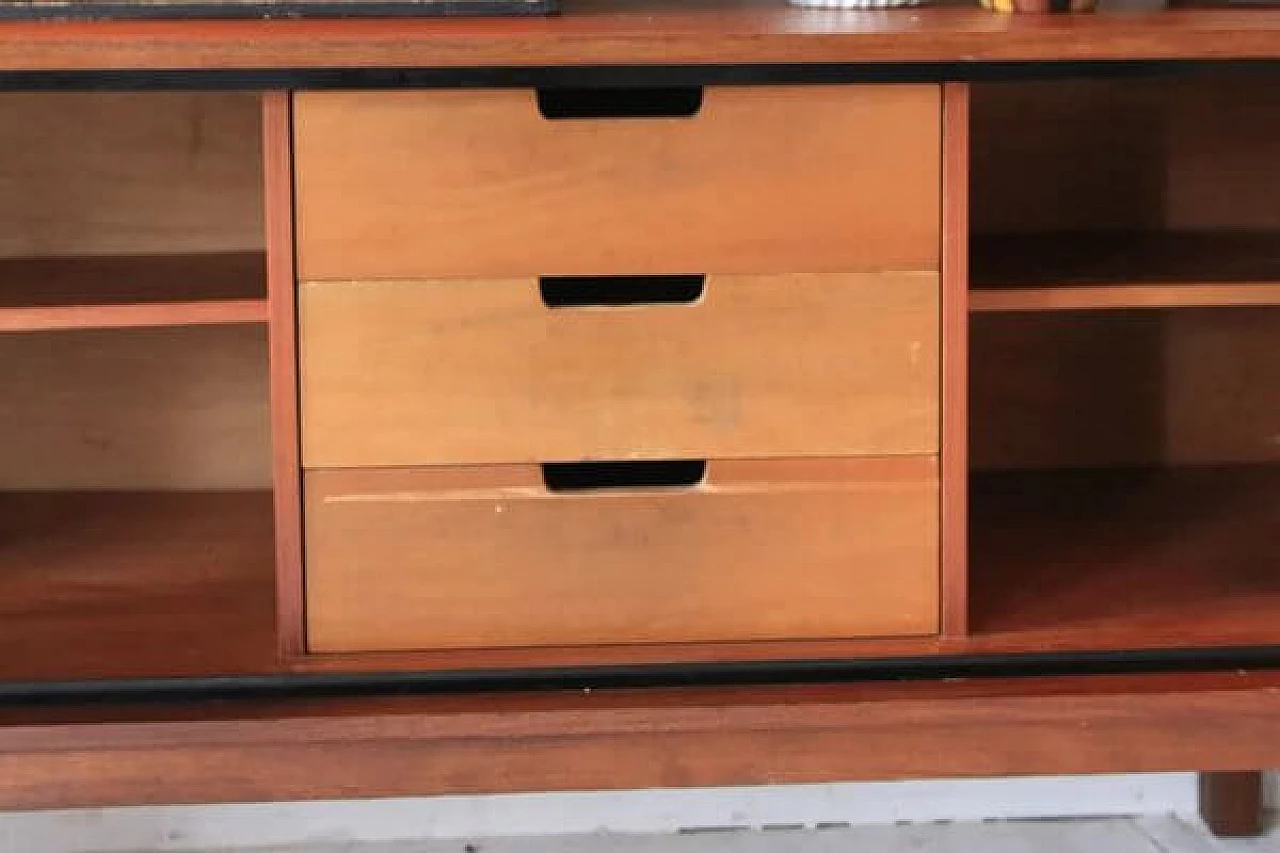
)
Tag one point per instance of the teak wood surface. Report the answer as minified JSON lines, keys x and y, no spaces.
{"x":761,"y":179}
{"x":286,"y":466}
{"x":758,"y":367}
{"x":404,"y":746}
{"x":135,"y":409}
{"x":488,"y":557}
{"x":1224,"y":518}
{"x":120,"y":584}
{"x":646,"y":32}
{"x":116,"y":292}
{"x":954,"y":346}
{"x":126,"y":173}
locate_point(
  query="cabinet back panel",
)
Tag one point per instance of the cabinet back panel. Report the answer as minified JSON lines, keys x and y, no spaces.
{"x":1171,"y":154}
{"x":136,"y":173}
{"x":135,"y":409}
{"x":1137,"y":154}
{"x":1116,"y":388}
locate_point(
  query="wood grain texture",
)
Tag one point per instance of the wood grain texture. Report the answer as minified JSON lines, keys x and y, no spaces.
{"x":1127,"y":558}
{"x":438,"y":372}
{"x":1194,"y":385}
{"x":165,"y":173}
{"x":1110,"y":297}
{"x":490,"y":743}
{"x":955,"y":360}
{"x":626,"y":654}
{"x":1178,"y":154}
{"x":42,"y":294}
{"x":1114,"y":559}
{"x":179,"y":408}
{"x":401,"y":559}
{"x":1091,"y":270}
{"x":135,"y":584}
{"x":659,"y":32}
{"x":286,"y":475}
{"x":427,"y":184}
{"x":1070,"y":155}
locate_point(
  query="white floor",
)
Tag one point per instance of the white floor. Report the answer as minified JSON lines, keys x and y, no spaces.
{"x":1096,"y":835}
{"x":1134,"y":813}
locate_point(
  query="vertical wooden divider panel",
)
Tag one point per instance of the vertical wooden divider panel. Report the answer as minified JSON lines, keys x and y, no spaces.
{"x":955,"y":360}
{"x":281,"y":292}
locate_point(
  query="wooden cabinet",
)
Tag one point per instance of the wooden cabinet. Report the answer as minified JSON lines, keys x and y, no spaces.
{"x":1125,"y":393}
{"x":677,"y":302}
{"x":677,"y":428}
{"x":135,"y":449}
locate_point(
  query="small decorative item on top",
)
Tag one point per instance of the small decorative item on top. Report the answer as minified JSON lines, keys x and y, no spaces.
{"x":107,"y":9}
{"x":855,"y":4}
{"x":1039,"y":6}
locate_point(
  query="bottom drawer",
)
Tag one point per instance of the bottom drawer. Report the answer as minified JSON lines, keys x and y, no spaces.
{"x":523,"y":555}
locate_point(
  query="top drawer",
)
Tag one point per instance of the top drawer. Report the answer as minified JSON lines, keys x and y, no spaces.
{"x":480,"y":183}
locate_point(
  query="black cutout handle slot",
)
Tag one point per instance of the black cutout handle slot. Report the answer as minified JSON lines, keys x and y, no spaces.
{"x":598,"y":476}
{"x":589,"y":291}
{"x":645,"y":102}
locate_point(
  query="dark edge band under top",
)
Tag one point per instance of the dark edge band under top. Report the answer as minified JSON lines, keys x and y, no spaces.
{"x":606,"y":76}
{"x":285,"y":686}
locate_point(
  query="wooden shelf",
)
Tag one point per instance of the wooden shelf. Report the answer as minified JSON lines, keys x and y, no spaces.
{"x":1098,"y":271}
{"x":129,"y":291}
{"x":109,"y":584}
{"x":112,"y":584}
{"x":1124,"y":559}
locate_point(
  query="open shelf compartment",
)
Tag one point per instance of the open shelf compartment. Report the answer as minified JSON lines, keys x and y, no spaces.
{"x":136,"y":526}
{"x":157,"y":221}
{"x":1124,"y":371}
{"x":1124,"y":558}
{"x":136,"y":535}
{"x":1126,"y":193}
{"x":1125,"y":485}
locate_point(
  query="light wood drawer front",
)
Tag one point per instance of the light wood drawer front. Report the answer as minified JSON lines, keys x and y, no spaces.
{"x":456,"y":371}
{"x":488,"y":557}
{"x":479,"y":183}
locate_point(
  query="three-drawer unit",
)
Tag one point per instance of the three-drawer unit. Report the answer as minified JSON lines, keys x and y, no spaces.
{"x":583,"y":368}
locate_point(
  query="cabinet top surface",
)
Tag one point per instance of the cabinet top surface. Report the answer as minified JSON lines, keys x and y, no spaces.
{"x":645,"y":32}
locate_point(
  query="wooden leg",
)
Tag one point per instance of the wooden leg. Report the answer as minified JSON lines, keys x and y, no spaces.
{"x":1231,"y":803}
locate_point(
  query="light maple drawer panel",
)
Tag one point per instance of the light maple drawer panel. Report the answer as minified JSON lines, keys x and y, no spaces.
{"x":479,"y":183}
{"x":454,"y":558}
{"x":458,"y":371}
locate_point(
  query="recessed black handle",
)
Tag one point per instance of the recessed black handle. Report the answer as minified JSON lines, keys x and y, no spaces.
{"x":650,"y":102}
{"x":589,"y":291}
{"x":596,"y":476}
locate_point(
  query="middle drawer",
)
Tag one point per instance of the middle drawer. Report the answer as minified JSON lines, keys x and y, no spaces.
{"x":522,"y":370}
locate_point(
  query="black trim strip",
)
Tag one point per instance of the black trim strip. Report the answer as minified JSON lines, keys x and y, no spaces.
{"x":183,"y":10}
{"x":607,"y":76}
{"x":719,"y":674}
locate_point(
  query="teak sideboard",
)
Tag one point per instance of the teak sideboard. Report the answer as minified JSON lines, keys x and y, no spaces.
{"x":659,"y":394}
